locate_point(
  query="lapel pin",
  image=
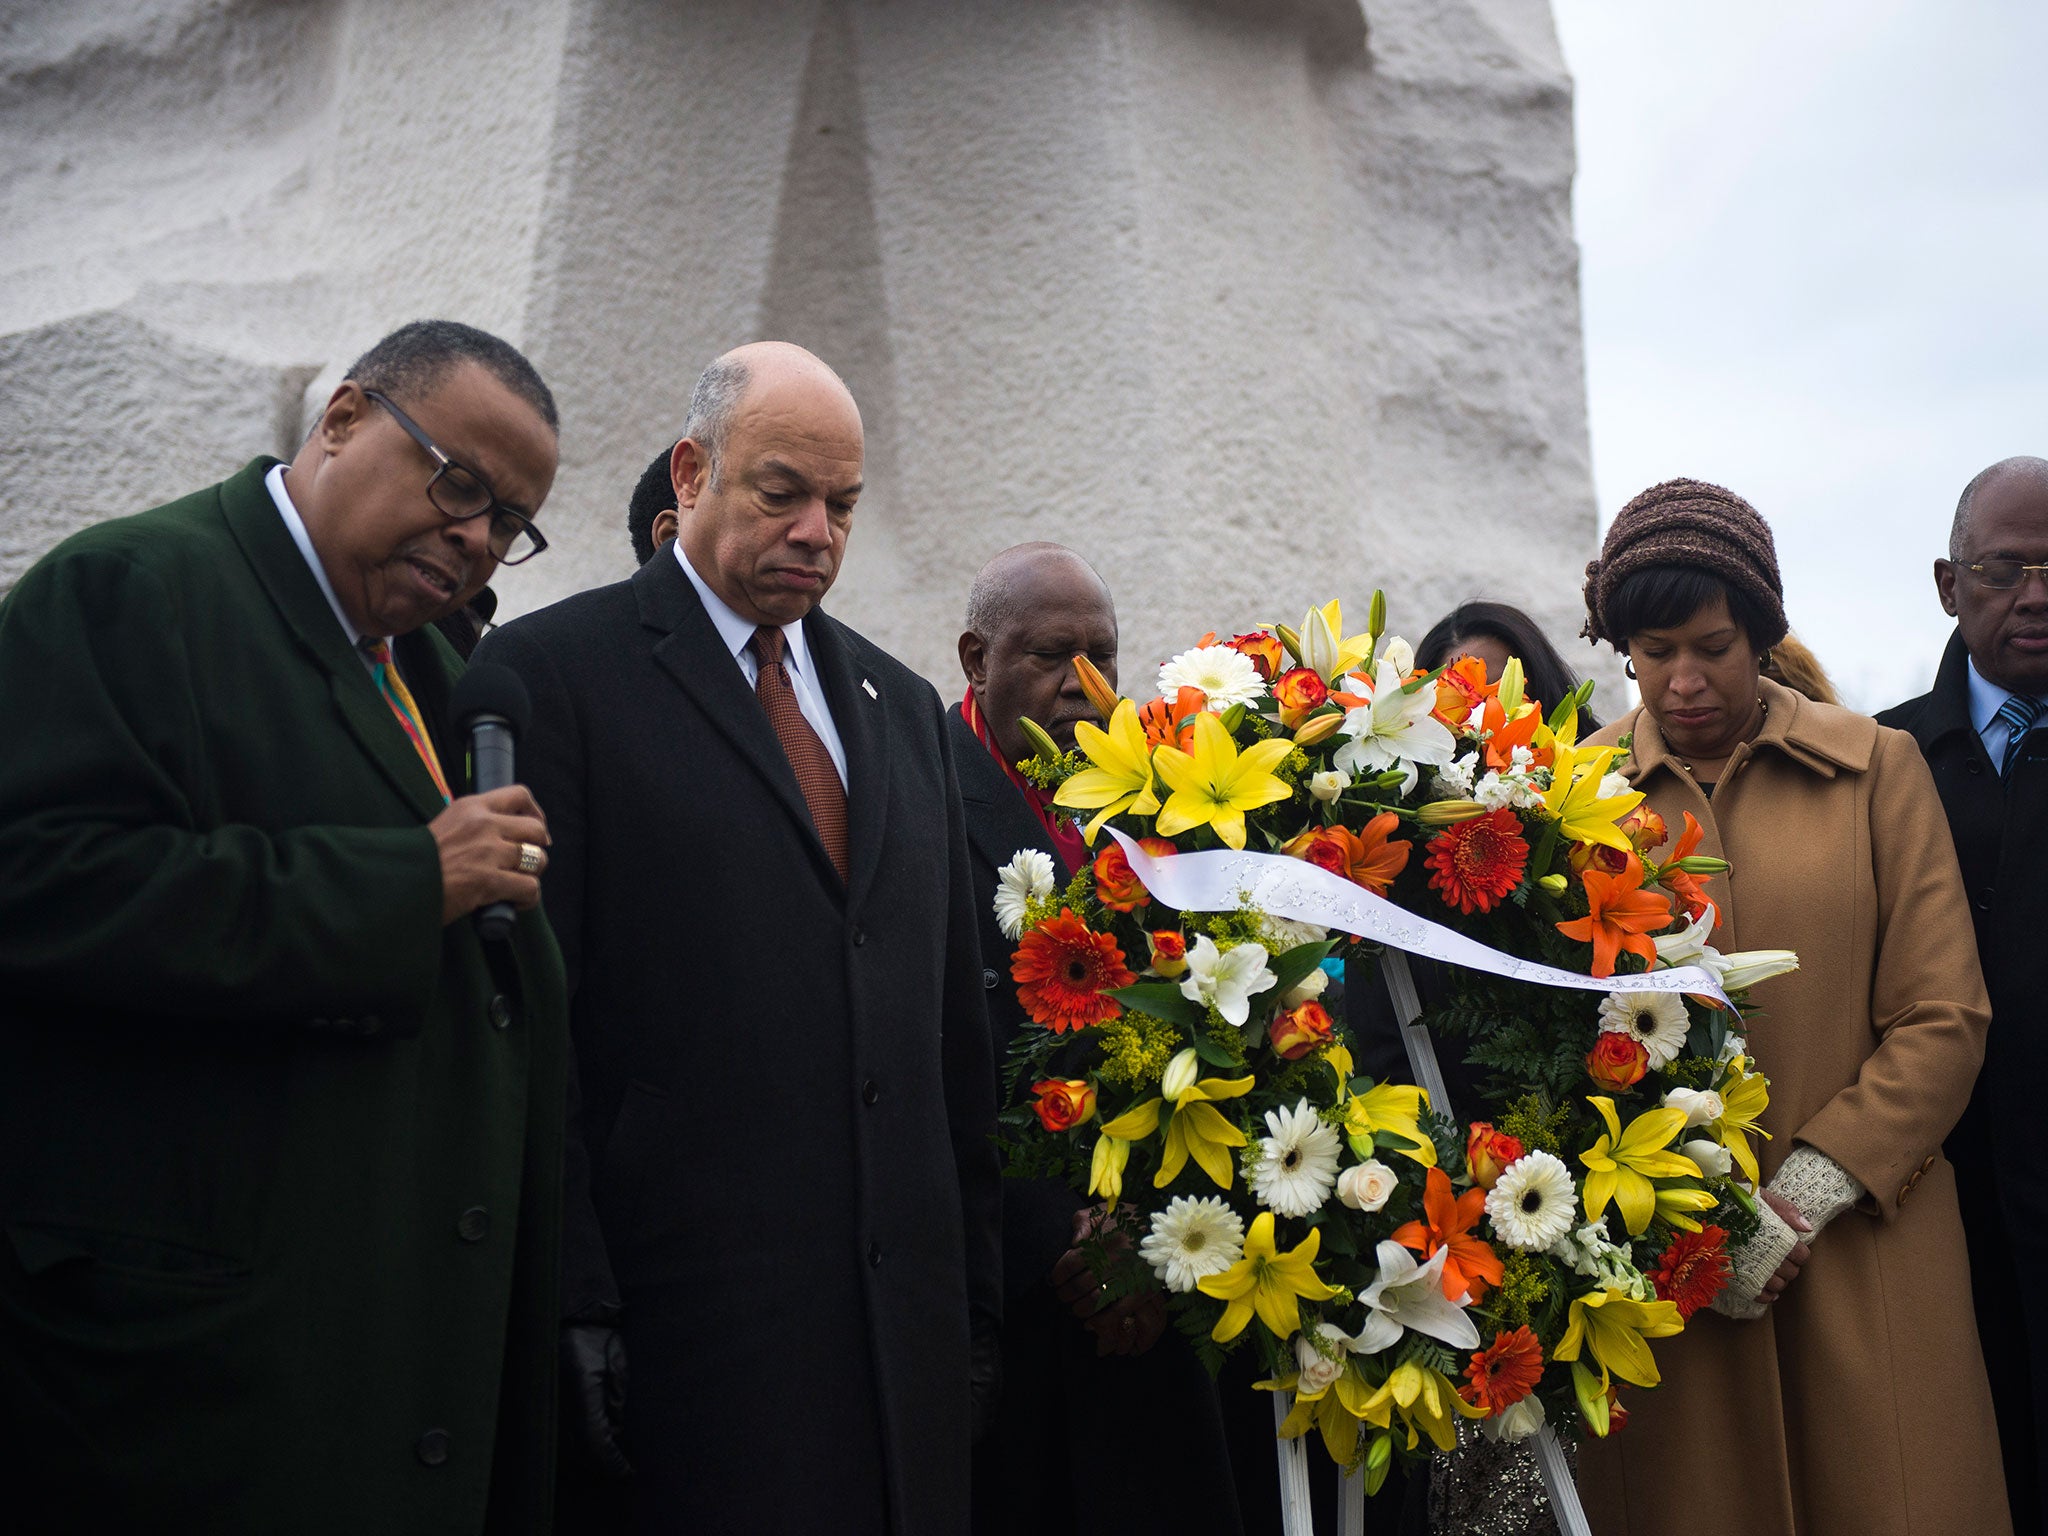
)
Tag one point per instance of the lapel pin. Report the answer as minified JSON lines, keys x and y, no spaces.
{"x":870,"y":687}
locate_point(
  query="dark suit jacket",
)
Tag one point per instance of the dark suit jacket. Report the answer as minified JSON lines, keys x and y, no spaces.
{"x":2001,"y":834}
{"x":279,"y":1153}
{"x":785,"y":1168}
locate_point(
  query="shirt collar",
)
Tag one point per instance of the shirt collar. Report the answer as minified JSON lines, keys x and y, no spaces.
{"x":296,"y":526}
{"x":1986,"y":699}
{"x":735,"y":631}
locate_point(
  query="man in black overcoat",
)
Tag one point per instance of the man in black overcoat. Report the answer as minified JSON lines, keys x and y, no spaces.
{"x":1108,"y":1423}
{"x":782,"y":1188}
{"x":280,"y":1132}
{"x":1979,"y":730}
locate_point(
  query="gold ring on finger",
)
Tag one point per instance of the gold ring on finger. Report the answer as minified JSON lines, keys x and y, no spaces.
{"x":530,"y":857}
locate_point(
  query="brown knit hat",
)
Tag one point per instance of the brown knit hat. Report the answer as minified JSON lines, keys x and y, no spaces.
{"x":1688,"y":522}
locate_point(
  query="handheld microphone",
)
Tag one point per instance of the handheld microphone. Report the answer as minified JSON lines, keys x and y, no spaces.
{"x":491,"y":709}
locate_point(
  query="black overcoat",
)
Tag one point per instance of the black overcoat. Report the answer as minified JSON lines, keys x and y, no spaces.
{"x":2001,"y":834}
{"x":784,"y":1168}
{"x":279,"y":1154}
{"x":1099,"y":1446}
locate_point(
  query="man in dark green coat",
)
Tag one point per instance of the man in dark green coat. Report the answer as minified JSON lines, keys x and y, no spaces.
{"x":280,"y":1133}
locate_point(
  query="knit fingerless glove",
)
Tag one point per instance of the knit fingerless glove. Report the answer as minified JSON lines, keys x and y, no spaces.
{"x":1821,"y":1189}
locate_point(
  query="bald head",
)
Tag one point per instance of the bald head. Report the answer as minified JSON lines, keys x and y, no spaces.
{"x":766,"y":477}
{"x":1031,"y":610}
{"x":2020,"y":471}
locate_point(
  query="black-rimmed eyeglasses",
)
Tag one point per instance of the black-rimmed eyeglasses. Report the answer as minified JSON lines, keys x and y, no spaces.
{"x":2003,"y":575}
{"x":460,"y":494}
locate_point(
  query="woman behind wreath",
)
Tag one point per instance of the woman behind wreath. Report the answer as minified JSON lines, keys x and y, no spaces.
{"x":1841,"y":1391}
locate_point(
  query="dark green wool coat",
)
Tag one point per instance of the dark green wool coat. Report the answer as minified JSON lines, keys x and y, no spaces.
{"x":279,"y":1153}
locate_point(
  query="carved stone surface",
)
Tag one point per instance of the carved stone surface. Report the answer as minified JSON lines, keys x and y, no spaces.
{"x":1251,"y":301}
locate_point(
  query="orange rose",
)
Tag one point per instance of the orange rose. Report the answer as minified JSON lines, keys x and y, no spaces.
{"x":1461,"y":689}
{"x":1169,"y":952}
{"x":1298,"y":691}
{"x":1617,"y":1062}
{"x":1609,"y":861}
{"x":1116,"y":884}
{"x":1488,"y":1153}
{"x":1370,"y":859}
{"x":1263,"y":648}
{"x":1644,"y":827}
{"x":1298,"y":1031}
{"x":1064,"y":1103}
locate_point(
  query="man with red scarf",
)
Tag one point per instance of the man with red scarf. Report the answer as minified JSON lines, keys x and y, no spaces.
{"x":1101,"y":1419}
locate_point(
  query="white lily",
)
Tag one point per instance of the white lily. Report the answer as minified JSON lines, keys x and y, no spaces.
{"x":1737,"y":972}
{"x":1028,"y":877}
{"x":1394,"y":727}
{"x":1411,"y":1295}
{"x":1226,"y":978}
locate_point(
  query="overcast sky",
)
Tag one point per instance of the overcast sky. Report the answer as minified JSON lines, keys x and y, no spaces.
{"x":1815,"y":270}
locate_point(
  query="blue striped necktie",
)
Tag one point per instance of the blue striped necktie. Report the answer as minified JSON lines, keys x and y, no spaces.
{"x":2019,"y":713}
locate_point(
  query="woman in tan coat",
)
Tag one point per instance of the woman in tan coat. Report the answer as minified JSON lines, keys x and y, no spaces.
{"x":1843,"y":1391}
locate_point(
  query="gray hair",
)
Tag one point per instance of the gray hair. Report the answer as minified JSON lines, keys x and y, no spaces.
{"x":2021,"y":464}
{"x":713,"y":404}
{"x":999,"y":596}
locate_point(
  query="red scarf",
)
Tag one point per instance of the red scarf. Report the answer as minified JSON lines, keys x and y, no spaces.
{"x":1066,"y":837}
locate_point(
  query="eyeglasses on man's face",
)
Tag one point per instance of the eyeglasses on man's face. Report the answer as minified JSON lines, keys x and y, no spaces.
{"x":2003,"y":575}
{"x":460,"y":494}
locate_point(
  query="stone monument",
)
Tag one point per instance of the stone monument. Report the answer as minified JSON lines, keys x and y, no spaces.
{"x":1251,"y":301}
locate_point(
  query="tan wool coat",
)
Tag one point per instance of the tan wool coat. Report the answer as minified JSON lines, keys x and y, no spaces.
{"x":1857,"y":1405}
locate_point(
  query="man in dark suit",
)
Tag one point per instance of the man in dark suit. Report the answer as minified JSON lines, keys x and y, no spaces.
{"x":1978,"y":729}
{"x":280,"y":1134}
{"x":784,"y":1188}
{"x":1104,"y":1425}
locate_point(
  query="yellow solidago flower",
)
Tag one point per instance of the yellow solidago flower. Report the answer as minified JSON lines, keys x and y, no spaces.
{"x":1214,"y":785}
{"x":1613,"y":1326}
{"x":1267,"y":1282}
{"x":1574,"y":797}
{"x":1121,"y":779}
{"x":1744,"y":1096}
{"x":1198,"y":1129}
{"x":1426,"y":1400}
{"x":1621,"y":1164}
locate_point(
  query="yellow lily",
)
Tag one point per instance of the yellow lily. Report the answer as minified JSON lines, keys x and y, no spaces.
{"x":1613,"y":1327}
{"x":1620,"y":1165}
{"x":1574,"y":796}
{"x":1121,"y":779}
{"x":1320,"y":648}
{"x":1113,"y":1149}
{"x":1337,"y":1411}
{"x":1395,"y":1108}
{"x":1676,"y":1204}
{"x":1214,"y":785}
{"x":1426,"y":1400}
{"x":1744,"y":1096}
{"x":1267,"y":1282}
{"x":1198,"y":1129}
{"x":1591,"y":1391}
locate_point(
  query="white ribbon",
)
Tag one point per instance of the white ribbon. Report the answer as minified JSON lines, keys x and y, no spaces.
{"x":1223,"y":881}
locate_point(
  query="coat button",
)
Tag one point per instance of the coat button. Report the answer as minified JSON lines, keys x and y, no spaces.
{"x":432,"y":1447}
{"x":1905,"y":1192}
{"x":860,"y":935}
{"x":1984,"y":899}
{"x":870,"y":1091}
{"x":1973,"y":765}
{"x":501,"y":1012}
{"x":472,"y":1225}
{"x":874,"y":1255}
{"x":988,"y":980}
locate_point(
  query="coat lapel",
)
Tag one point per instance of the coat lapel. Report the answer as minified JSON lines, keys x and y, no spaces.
{"x":862,"y":717}
{"x":267,"y":544}
{"x":692,"y":652}
{"x":1000,"y":820}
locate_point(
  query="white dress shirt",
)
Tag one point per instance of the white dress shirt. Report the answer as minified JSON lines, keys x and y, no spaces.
{"x":296,"y":526}
{"x":737,"y":633}
{"x":1986,"y":699}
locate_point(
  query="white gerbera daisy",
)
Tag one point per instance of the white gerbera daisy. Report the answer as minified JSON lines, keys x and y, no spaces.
{"x":1655,"y":1020}
{"x":1026,"y":878}
{"x":1297,"y":1164}
{"x":1190,"y":1239}
{"x":1225,"y":676}
{"x":1532,"y":1204}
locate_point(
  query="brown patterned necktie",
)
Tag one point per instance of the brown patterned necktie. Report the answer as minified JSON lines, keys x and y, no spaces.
{"x":815,"y":775}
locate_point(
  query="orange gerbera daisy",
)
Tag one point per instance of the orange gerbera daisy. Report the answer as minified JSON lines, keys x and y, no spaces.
{"x":1171,"y":722}
{"x":1689,"y":889}
{"x":1623,"y":916}
{"x":1476,"y":863}
{"x":1062,"y":969}
{"x":1447,"y":1222}
{"x":1693,"y":1271}
{"x":1366,"y":858}
{"x":1504,"y":1372}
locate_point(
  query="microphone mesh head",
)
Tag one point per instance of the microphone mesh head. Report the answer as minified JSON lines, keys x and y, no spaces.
{"x":490,"y":689}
